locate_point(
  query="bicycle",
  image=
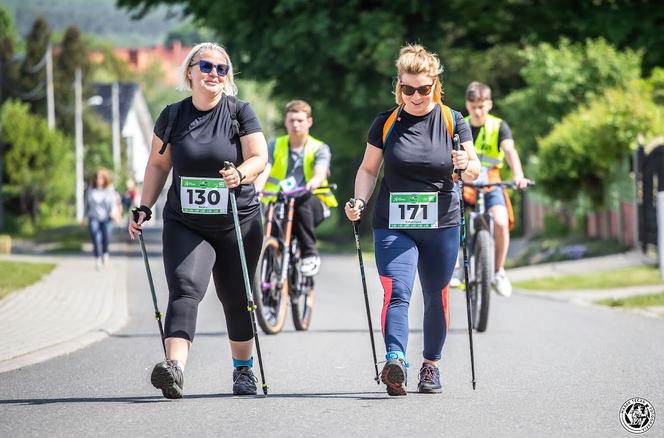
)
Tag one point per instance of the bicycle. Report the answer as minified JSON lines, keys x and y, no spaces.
{"x":279,"y":278}
{"x":481,"y":255}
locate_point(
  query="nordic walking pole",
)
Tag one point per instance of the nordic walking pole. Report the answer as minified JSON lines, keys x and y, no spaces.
{"x":251,"y":306}
{"x":464,"y":244}
{"x":157,"y":313}
{"x":366,"y":295}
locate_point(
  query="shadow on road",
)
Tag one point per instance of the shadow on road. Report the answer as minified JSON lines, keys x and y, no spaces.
{"x":370,"y":395}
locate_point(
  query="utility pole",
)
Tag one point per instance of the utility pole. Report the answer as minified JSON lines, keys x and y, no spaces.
{"x":50,"y":100}
{"x":78,"y":94}
{"x":115,"y":127}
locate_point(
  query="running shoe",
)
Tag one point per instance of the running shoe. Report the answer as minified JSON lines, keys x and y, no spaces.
{"x":168,"y":377}
{"x":394,"y":377}
{"x":310,"y":266}
{"x":244,"y":381}
{"x":429,"y":379}
{"x":502,"y":284}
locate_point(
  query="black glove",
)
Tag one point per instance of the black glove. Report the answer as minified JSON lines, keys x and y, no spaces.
{"x":143,"y":208}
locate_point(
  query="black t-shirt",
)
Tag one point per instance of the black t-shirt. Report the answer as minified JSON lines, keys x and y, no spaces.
{"x":418,"y":158}
{"x":200,"y":143}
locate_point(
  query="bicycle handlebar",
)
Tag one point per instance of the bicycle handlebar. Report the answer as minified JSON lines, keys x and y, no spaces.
{"x":299,"y":190}
{"x":508,"y":184}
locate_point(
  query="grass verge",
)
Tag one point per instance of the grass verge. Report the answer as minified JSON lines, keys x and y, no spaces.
{"x":17,"y":275}
{"x":625,"y":277}
{"x":635,"y":301}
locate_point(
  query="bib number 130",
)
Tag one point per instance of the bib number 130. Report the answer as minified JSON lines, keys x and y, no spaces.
{"x":203,"y":195}
{"x":414,"y":210}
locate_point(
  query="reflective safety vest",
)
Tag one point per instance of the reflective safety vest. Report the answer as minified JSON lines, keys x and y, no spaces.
{"x":280,"y":167}
{"x":486,"y":144}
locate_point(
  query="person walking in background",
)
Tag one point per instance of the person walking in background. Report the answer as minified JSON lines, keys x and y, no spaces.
{"x":130,"y":197}
{"x":193,"y":138}
{"x":101,"y":209}
{"x":416,"y":217}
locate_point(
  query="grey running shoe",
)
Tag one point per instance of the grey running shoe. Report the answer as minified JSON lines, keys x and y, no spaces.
{"x":168,"y":377}
{"x":429,"y":379}
{"x":394,"y":377}
{"x":244,"y":381}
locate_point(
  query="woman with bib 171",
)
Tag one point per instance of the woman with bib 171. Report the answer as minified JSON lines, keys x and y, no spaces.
{"x":416,"y":216}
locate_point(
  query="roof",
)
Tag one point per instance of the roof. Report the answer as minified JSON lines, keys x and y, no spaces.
{"x":126,"y":90}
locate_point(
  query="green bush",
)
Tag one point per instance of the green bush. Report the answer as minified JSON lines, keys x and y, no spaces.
{"x":38,"y":163}
{"x":578,"y":155}
{"x":558,"y":79}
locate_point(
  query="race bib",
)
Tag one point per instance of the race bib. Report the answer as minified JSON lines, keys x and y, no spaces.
{"x":288,"y":184}
{"x":203,"y":195}
{"x":414,"y":210}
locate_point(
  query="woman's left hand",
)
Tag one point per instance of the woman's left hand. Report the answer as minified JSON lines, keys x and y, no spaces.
{"x":460,"y":159}
{"x":231,"y":177}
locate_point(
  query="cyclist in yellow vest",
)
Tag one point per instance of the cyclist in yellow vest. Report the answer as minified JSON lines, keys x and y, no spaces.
{"x":300,"y":160}
{"x":494,"y":146}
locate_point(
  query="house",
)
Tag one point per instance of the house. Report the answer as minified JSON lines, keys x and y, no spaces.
{"x":135,"y":122}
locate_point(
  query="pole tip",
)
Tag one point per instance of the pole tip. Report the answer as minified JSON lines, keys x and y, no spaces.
{"x":473,"y":386}
{"x":265,"y":390}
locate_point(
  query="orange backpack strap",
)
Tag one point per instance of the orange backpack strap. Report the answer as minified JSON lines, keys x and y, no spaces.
{"x":448,"y":117}
{"x":389,"y":123}
{"x":445,"y":110}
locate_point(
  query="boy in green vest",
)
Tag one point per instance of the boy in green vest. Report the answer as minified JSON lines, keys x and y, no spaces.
{"x":494,"y":146}
{"x":300,"y":160}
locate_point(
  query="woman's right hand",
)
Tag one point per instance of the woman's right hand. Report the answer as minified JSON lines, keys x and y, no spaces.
{"x":353,"y":209}
{"x":135,"y":223}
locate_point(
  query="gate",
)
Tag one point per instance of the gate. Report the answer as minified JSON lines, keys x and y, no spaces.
{"x":650,"y":180}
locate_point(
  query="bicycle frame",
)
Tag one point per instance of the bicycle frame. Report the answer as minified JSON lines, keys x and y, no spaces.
{"x":284,"y":231}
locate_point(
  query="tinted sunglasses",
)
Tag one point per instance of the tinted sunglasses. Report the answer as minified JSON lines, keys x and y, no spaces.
{"x":424,"y":90}
{"x":206,"y":67}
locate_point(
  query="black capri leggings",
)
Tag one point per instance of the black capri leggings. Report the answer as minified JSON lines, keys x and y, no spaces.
{"x":189,"y":258}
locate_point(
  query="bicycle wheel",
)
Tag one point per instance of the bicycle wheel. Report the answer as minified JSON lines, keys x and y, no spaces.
{"x":302,"y":303}
{"x":481,"y":289}
{"x":271,"y":300}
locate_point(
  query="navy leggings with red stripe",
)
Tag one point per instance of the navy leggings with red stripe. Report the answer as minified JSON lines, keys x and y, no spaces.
{"x":399,"y":254}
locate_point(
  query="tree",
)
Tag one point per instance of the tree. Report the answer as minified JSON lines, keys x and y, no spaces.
{"x":72,"y":54}
{"x":558,"y":79}
{"x":340,"y":57}
{"x":32,"y":82}
{"x":190,"y":33}
{"x":39,"y":162}
{"x":8,"y":69}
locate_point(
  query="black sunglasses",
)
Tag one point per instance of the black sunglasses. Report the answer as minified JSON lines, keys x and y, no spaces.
{"x":424,"y":90}
{"x":206,"y":67}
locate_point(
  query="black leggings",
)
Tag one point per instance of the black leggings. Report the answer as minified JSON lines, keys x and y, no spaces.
{"x":189,"y":258}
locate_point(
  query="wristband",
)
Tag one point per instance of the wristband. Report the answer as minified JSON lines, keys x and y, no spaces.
{"x":364,"y":203}
{"x":239,"y":174}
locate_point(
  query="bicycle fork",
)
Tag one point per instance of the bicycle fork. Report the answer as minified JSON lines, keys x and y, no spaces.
{"x":287,"y":241}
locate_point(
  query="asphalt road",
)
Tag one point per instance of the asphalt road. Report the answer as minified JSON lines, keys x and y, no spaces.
{"x":544,"y":368}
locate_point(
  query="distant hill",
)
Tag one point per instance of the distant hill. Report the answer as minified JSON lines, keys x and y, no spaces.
{"x":98,"y":17}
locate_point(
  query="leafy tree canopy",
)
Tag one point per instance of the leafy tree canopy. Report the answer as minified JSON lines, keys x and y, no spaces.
{"x":577,"y":155}
{"x":558,"y":78}
{"x":38,"y":162}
